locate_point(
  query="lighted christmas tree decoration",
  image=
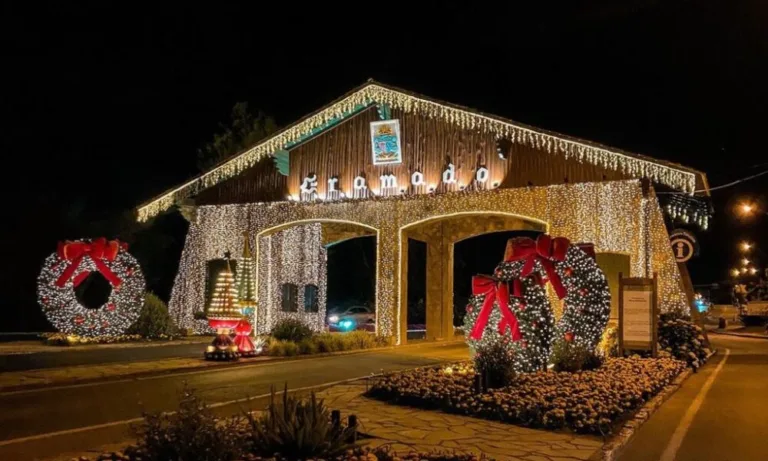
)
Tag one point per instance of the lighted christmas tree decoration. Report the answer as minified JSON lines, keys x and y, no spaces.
{"x":70,"y":266}
{"x":245,"y":280}
{"x":224,"y":315}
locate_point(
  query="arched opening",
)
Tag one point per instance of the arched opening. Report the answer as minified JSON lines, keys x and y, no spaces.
{"x":439,"y":236}
{"x":301,"y":267}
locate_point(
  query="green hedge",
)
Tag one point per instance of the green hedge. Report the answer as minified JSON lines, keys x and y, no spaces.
{"x":325,"y":342}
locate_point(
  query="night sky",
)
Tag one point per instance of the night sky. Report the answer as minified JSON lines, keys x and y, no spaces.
{"x":105,"y":105}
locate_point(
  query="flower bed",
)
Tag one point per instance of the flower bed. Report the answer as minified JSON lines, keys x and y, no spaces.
{"x":588,"y":401}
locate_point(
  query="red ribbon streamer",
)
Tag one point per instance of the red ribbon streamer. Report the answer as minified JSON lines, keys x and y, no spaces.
{"x":98,"y":250}
{"x":547,"y":251}
{"x":485,"y":285}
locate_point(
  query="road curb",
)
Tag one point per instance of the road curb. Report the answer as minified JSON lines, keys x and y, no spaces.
{"x":216,"y":366}
{"x":742,"y":335}
{"x":612,"y":448}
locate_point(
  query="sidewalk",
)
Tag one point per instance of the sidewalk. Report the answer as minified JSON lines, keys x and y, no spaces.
{"x":406,"y":429}
{"x":739,"y":330}
{"x":35,"y":347}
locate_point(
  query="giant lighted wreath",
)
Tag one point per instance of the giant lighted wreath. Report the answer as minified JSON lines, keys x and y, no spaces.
{"x":511,"y":310}
{"x":72,"y":263}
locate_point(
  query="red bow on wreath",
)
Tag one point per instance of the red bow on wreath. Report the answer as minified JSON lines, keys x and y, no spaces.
{"x":98,"y":250}
{"x":485,"y":285}
{"x":547,"y":251}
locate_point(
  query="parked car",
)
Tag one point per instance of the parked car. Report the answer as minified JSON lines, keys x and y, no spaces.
{"x":353,"y":318}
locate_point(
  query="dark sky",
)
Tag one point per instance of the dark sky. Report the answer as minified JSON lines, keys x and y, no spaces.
{"x":105,"y":104}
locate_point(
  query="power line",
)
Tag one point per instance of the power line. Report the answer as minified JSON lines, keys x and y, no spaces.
{"x":723,"y":186}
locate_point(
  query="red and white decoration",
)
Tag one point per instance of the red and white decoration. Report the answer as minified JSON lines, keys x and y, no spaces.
{"x":69,"y":266}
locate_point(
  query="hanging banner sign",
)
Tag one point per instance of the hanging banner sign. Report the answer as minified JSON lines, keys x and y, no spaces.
{"x":385,"y":142}
{"x":684,"y":245}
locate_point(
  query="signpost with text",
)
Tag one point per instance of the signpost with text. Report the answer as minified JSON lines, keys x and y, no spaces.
{"x":638,"y":314}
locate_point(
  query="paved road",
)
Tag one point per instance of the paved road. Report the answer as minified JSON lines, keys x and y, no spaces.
{"x":27,"y":415}
{"x":68,"y":358}
{"x":727,"y":423}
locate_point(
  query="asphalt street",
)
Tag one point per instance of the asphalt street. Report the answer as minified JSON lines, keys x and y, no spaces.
{"x":50,"y":421}
{"x":719,"y":414}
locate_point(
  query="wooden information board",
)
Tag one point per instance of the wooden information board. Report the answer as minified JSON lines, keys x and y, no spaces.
{"x":638,"y":314}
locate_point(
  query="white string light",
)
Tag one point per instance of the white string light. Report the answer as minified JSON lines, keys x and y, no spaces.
{"x":612,"y":159}
{"x":612,"y":215}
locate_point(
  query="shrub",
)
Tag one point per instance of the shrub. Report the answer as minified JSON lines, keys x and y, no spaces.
{"x":290,"y":329}
{"x":325,"y":342}
{"x":572,"y":357}
{"x":276,"y":348}
{"x":609,"y":345}
{"x":308,"y":346}
{"x":683,"y":339}
{"x":339,"y":343}
{"x":359,"y":340}
{"x":191,"y":433}
{"x":297,"y":429}
{"x":290,"y":348}
{"x":154,"y":321}
{"x":495,"y":365}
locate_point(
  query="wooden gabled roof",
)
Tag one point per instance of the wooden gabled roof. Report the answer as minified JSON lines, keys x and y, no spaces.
{"x":371,"y":93}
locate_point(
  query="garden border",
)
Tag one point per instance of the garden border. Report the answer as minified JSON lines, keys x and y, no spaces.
{"x":613,"y":446}
{"x":262,"y":359}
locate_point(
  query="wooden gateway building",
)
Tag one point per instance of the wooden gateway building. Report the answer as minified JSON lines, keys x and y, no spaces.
{"x":387,"y":163}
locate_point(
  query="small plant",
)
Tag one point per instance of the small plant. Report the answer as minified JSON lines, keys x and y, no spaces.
{"x":495,"y":366}
{"x":359,"y":340}
{"x":154,"y":321}
{"x":572,"y":357}
{"x":276,"y":348}
{"x":290,"y":329}
{"x":290,"y":348}
{"x":683,"y":340}
{"x":325,"y":342}
{"x":297,"y":429}
{"x":308,"y":346}
{"x":192,"y":433}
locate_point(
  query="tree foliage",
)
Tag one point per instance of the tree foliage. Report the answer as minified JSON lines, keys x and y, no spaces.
{"x":246,"y":129}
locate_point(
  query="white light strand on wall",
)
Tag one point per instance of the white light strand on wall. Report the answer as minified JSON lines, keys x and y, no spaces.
{"x":609,"y":214}
{"x":612,"y":159}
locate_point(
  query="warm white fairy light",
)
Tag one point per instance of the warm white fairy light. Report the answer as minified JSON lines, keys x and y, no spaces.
{"x":297,"y":256}
{"x":613,"y":215}
{"x":114,"y":317}
{"x":224,"y":299}
{"x":612,"y":159}
{"x":245,"y":279}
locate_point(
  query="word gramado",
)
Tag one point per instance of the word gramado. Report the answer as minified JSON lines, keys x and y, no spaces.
{"x":387,"y":185}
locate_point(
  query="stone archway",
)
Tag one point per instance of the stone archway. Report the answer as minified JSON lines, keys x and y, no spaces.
{"x":293,"y":254}
{"x":440,"y":233}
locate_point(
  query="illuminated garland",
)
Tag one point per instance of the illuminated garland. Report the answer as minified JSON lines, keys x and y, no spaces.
{"x":56,"y":293}
{"x":629,"y":164}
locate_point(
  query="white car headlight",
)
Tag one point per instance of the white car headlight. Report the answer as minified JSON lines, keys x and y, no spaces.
{"x":333,"y":318}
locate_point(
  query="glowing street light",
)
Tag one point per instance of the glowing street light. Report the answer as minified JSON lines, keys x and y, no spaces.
{"x":752,"y":270}
{"x":746,"y":208}
{"x":735,"y":272}
{"x":745,"y":247}
{"x":745,"y":262}
{"x":743,"y":270}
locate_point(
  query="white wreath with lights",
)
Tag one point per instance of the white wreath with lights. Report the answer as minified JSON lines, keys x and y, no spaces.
{"x":70,"y":265}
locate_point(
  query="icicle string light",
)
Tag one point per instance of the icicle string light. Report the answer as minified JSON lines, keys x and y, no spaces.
{"x":613,"y":215}
{"x":633,"y":165}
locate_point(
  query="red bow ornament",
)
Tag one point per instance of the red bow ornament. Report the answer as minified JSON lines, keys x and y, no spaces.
{"x":494,"y":292}
{"x":547,"y":251}
{"x":99,"y":250}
